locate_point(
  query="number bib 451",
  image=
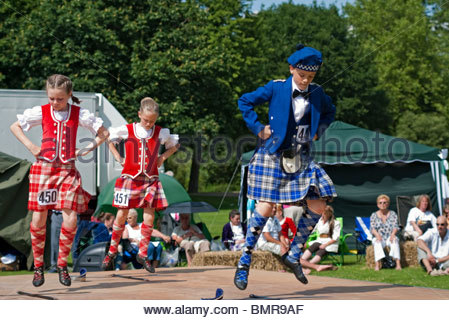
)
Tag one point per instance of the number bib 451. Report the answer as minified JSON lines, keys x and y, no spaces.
{"x":303,"y":134}
{"x":47,"y":197}
{"x":121,"y":197}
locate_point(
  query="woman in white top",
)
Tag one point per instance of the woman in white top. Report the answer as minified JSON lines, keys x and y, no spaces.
{"x":384,"y":226}
{"x":328,"y":229}
{"x":420,"y":218}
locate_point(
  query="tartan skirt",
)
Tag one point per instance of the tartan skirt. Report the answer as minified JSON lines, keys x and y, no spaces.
{"x":56,"y":185}
{"x":267,"y":182}
{"x":140,"y":192}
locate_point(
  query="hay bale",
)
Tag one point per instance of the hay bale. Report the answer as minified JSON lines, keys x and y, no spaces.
{"x":261,"y":260}
{"x":216,"y":258}
{"x":10,"y":267}
{"x":370,"y":257}
{"x":409,"y":254}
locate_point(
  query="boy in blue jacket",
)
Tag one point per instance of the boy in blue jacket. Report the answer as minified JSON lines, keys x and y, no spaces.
{"x":281,"y":170}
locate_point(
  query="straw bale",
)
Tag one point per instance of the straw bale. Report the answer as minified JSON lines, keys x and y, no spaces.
{"x":409,"y":254}
{"x":9,"y":267}
{"x":262,"y":260}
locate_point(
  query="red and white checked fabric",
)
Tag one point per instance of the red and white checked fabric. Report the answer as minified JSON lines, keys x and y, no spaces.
{"x":117,"y":231}
{"x":146,"y":231}
{"x":63,"y":177}
{"x":142,"y":191}
{"x":65,"y":244}
{"x":38,"y":244}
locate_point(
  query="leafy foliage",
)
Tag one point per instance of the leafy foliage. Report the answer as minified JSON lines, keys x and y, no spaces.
{"x":350,"y":81}
{"x":399,"y":37}
{"x":424,"y":128}
{"x":384,"y":63}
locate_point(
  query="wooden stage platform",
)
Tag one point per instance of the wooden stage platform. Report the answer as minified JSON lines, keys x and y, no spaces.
{"x":201,"y":282}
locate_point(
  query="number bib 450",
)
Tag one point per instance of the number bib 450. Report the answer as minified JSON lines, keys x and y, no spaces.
{"x":47,"y":197}
{"x":121,"y":197}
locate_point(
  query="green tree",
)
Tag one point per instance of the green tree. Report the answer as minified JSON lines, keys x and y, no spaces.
{"x":63,"y":37}
{"x":398,"y":35}
{"x":349,"y":81}
{"x":424,"y":128}
{"x":182,"y":53}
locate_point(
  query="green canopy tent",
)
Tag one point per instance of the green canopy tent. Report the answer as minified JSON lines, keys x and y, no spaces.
{"x":14,"y":215}
{"x":174,"y":192}
{"x":363,"y":164}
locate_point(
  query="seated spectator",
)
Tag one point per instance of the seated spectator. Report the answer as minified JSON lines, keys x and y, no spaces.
{"x":420,"y":218}
{"x":108,"y":220}
{"x":271,"y":238}
{"x":288,"y":226}
{"x":190,"y":238}
{"x":433,"y":249}
{"x":84,"y":226}
{"x":131,"y":239}
{"x":234,"y":232}
{"x":328,"y":230}
{"x":293,"y":212}
{"x":155,"y":246}
{"x":384,"y":227}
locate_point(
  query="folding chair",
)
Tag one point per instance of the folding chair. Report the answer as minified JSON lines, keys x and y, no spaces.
{"x":404,"y":204}
{"x":339,"y":257}
{"x":363,"y":236}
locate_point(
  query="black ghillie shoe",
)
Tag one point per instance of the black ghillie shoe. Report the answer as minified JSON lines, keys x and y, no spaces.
{"x":64,"y":276}
{"x":145,"y":263}
{"x":296,"y":268}
{"x":241,"y":276}
{"x":38,"y":278}
{"x":108,"y":262}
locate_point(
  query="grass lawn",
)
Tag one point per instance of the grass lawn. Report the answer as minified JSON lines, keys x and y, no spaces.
{"x":410,"y":276}
{"x":215,"y":220}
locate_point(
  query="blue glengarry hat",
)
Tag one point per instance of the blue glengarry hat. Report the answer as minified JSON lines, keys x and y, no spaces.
{"x":306,"y":58}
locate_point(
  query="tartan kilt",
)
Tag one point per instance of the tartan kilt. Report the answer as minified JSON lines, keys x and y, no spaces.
{"x":142,"y":192}
{"x":60,"y":184}
{"x":267,"y":182}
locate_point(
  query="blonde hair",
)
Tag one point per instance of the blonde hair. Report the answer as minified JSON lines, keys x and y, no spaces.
{"x":148,"y":104}
{"x":420,"y":198}
{"x":383,"y":196}
{"x":329,"y":213}
{"x":59,"y":81}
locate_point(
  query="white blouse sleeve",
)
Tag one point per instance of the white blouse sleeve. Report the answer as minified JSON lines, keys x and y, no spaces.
{"x":169,"y":140}
{"x":89,"y":121}
{"x":30,"y":118}
{"x":118,"y":133}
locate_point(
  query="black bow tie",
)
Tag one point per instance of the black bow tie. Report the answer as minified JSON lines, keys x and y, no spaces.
{"x":296,"y":93}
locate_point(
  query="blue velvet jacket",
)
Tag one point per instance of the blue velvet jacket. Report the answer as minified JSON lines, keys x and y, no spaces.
{"x":278,"y":93}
